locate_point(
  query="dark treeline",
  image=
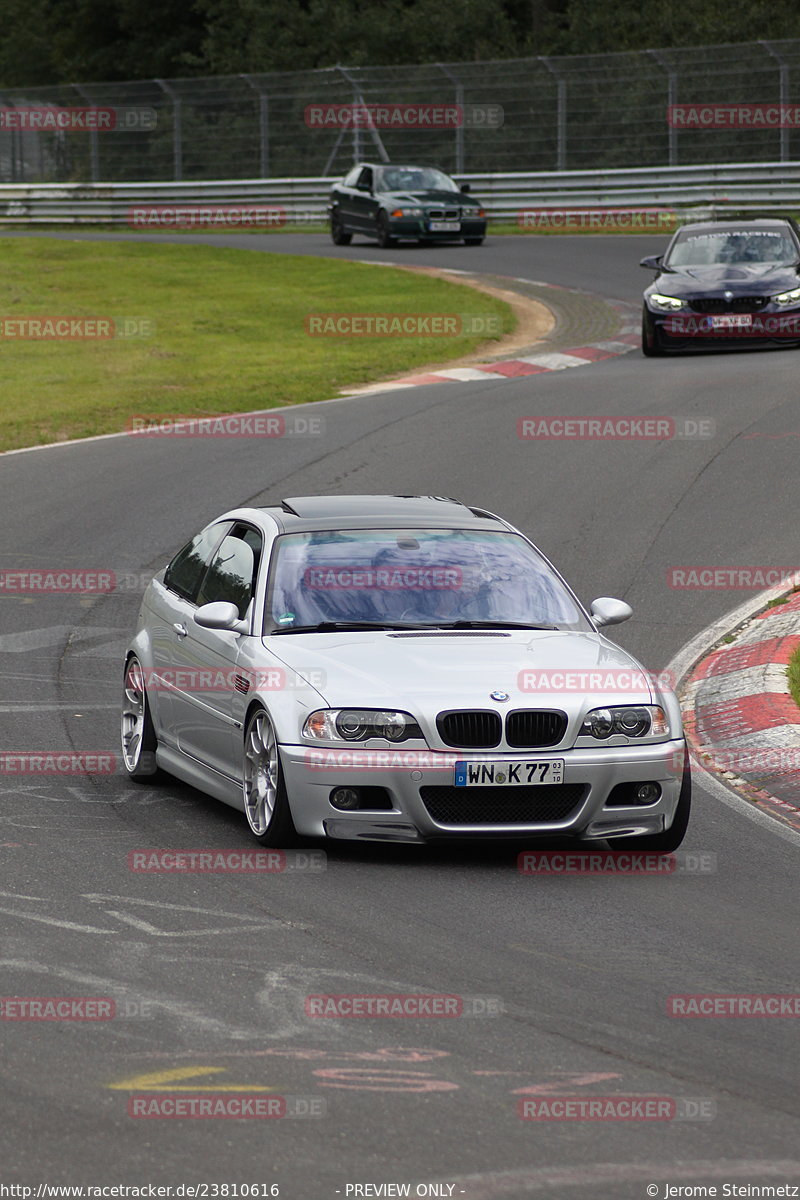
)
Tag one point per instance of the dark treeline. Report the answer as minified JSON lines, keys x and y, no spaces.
{"x":56,"y":41}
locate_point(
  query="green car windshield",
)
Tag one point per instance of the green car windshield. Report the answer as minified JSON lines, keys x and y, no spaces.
{"x":414,"y":179}
{"x":417,"y":577}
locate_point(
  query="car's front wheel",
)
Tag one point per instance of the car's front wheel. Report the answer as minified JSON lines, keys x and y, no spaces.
{"x":385,"y":239}
{"x":139,"y":741}
{"x":266,"y":804}
{"x":338,"y":235}
{"x":670,"y":839}
{"x":651,"y":347}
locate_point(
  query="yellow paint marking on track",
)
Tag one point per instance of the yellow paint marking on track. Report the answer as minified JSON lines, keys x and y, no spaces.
{"x":165,"y":1081}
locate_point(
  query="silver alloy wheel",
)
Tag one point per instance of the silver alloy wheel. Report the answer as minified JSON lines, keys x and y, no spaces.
{"x":133,"y":715}
{"x":260,"y":772}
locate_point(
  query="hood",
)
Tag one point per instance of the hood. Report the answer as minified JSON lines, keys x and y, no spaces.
{"x":743,"y":279}
{"x":437,"y":671}
{"x":443,"y":198}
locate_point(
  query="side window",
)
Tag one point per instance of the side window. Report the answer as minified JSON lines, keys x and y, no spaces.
{"x":232,"y":574}
{"x":184,"y":573}
{"x":365,"y":179}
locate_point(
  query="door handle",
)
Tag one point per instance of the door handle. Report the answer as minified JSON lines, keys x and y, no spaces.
{"x":181,"y":630}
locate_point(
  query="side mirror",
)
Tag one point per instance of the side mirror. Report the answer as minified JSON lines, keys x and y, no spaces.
{"x":608,"y":611}
{"x":220,"y":615}
{"x":652,"y":262}
{"x":364,"y":187}
{"x":466,"y":187}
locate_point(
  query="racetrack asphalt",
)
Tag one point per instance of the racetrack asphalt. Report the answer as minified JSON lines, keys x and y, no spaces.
{"x":582,"y":965}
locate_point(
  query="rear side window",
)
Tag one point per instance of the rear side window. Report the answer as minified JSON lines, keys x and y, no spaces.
{"x":187,"y":568}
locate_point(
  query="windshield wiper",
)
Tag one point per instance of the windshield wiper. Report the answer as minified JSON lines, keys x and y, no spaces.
{"x":490,"y":625}
{"x":344,"y":627}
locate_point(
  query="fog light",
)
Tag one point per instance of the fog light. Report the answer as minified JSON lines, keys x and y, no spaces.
{"x":647,"y":793}
{"x":346,"y":798}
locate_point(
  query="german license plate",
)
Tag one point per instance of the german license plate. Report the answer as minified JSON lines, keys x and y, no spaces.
{"x":733,"y":321}
{"x":524,"y":773}
{"x":445,"y":226}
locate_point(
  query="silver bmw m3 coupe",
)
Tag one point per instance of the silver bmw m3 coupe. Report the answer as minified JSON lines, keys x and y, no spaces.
{"x":401,"y":668}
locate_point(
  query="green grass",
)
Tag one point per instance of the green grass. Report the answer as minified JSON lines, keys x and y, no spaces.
{"x":793,"y":675}
{"x":228,"y":332}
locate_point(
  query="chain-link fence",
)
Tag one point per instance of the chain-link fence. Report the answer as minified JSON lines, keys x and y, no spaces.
{"x":532,"y":114}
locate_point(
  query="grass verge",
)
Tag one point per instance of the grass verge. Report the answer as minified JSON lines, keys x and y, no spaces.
{"x":227,"y":332}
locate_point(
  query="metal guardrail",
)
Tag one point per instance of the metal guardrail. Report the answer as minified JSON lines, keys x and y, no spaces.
{"x":712,"y":188}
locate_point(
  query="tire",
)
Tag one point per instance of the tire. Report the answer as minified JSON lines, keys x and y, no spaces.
{"x":338,"y":235}
{"x":473,"y":241}
{"x":138,"y":735}
{"x":385,"y":239}
{"x":266,"y":804}
{"x":651,"y":348}
{"x":670,"y":839}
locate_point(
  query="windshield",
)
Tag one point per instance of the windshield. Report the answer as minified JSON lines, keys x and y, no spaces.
{"x":415,"y":179}
{"x":414,"y":577}
{"x":733,"y":246}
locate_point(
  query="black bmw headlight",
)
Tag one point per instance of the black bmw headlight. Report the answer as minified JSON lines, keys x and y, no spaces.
{"x":359,"y":724}
{"x":642,"y":721}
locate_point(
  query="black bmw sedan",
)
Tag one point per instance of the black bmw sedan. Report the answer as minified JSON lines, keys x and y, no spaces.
{"x":389,"y":202}
{"x":724,"y":284}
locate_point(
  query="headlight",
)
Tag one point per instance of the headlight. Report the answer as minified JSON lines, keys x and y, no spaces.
{"x":665,"y":303}
{"x":640,"y":722}
{"x":358,"y":724}
{"x":407,"y":212}
{"x":792,"y":297}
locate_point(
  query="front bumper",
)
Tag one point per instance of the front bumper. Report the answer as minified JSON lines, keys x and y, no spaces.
{"x":773,"y":325}
{"x":591,"y":774}
{"x":419,"y":227}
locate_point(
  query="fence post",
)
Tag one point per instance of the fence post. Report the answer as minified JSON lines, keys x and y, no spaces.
{"x":672,"y":98}
{"x":783,"y":85}
{"x":177,"y":131}
{"x":263,"y":126}
{"x":460,"y":168}
{"x":561,"y":115}
{"x":94,"y":145}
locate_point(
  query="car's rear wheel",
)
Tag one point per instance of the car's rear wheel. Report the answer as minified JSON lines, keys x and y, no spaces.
{"x":266,"y":804}
{"x":473,"y":241}
{"x":139,"y":741}
{"x":670,"y":839}
{"x":338,"y":235}
{"x":651,"y":347}
{"x":385,"y":238}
